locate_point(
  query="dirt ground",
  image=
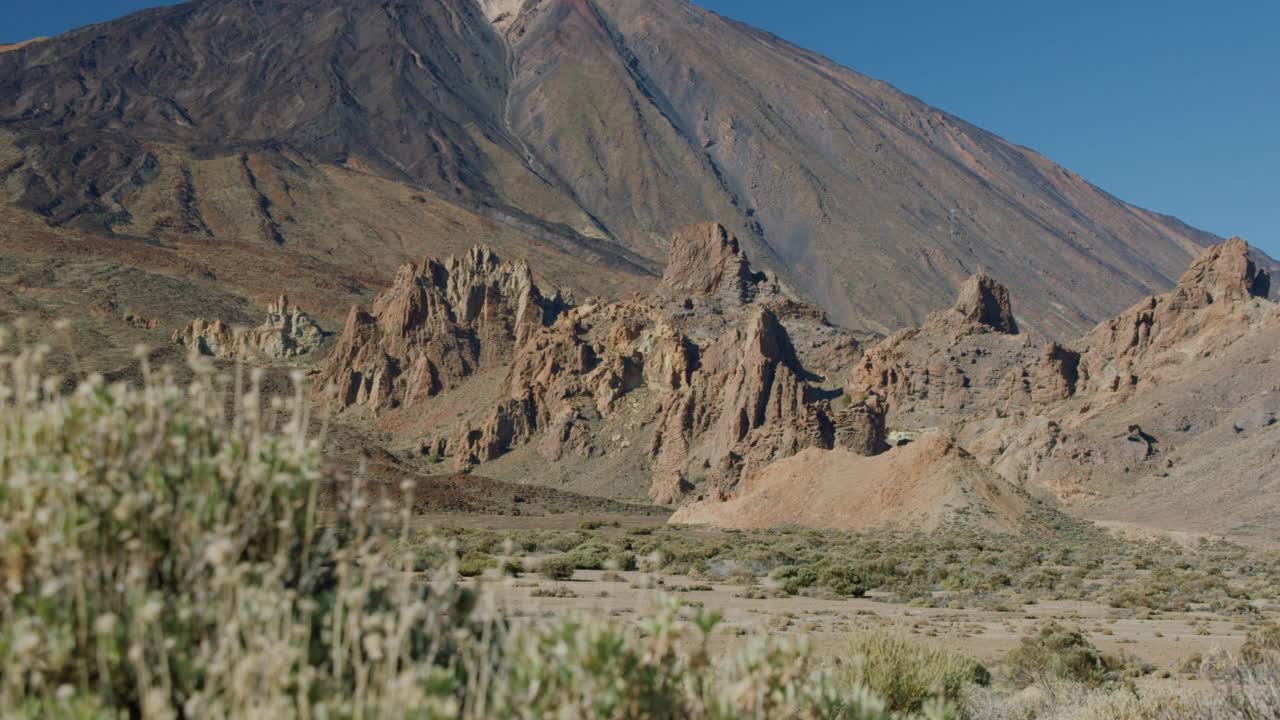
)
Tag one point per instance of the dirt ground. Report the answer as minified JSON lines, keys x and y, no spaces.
{"x":1165,"y":640}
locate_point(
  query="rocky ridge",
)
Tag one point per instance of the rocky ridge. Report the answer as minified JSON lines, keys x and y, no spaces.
{"x":708,"y":362}
{"x":433,"y":328}
{"x":1141,"y":405}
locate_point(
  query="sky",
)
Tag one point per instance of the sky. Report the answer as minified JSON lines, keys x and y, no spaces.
{"x":1172,"y":105}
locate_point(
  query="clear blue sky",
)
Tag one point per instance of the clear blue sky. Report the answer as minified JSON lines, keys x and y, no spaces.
{"x":1170,"y":104}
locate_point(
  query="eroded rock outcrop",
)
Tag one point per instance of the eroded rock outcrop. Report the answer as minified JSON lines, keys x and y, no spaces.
{"x":1207,"y":309}
{"x":968,"y":355}
{"x":1136,"y":406}
{"x":436,"y":325}
{"x":1056,"y":375}
{"x":705,"y":367}
{"x":985,"y":302}
{"x":747,"y":405}
{"x":706,"y":259}
{"x":287,"y":333}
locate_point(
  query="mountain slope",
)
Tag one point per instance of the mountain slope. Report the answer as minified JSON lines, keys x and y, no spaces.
{"x":587,"y":129}
{"x":844,"y":181}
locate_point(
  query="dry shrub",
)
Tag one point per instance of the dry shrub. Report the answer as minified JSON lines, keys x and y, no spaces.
{"x":909,"y":674}
{"x":1053,"y":652}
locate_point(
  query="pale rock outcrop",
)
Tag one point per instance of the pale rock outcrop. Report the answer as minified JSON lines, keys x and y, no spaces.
{"x":287,"y":333}
{"x":985,"y":302}
{"x":1180,"y":383}
{"x":1224,"y":272}
{"x":748,"y":405}
{"x":967,"y":358}
{"x":1056,"y":375}
{"x":434,"y":328}
{"x":705,"y":366}
{"x":860,"y":428}
{"x":706,"y":259}
{"x":722,"y":406}
{"x":1208,"y":309}
{"x":211,"y":338}
{"x":561,"y":378}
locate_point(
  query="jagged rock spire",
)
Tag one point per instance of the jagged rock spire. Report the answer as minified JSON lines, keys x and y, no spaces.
{"x":1226,"y":271}
{"x":706,"y":259}
{"x":986,"y":302}
{"x":433,"y":328}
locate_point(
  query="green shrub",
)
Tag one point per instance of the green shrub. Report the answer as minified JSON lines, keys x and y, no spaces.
{"x":843,"y":580}
{"x":791,"y":580}
{"x":664,"y":670}
{"x":1262,"y":644}
{"x":557,"y":568}
{"x":160,"y":554}
{"x":476,"y":563}
{"x":624,"y":561}
{"x":1052,"y":651}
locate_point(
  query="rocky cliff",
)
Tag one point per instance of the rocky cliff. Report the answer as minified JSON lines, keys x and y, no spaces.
{"x":434,"y":328}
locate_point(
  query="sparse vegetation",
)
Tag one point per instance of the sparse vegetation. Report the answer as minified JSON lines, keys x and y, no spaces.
{"x":557,"y":568}
{"x":954,"y":568}
{"x":162,"y":557}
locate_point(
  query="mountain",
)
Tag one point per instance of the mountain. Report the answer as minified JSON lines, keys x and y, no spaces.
{"x":313,"y":146}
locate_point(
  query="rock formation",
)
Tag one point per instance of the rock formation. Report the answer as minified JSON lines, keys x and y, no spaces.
{"x":985,"y":302}
{"x":705,"y":259}
{"x":1207,"y":309}
{"x":726,"y":408}
{"x":705,"y":364}
{"x":1144,"y":403}
{"x":746,"y":405}
{"x":968,"y":355}
{"x":287,"y":333}
{"x":435,"y":326}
